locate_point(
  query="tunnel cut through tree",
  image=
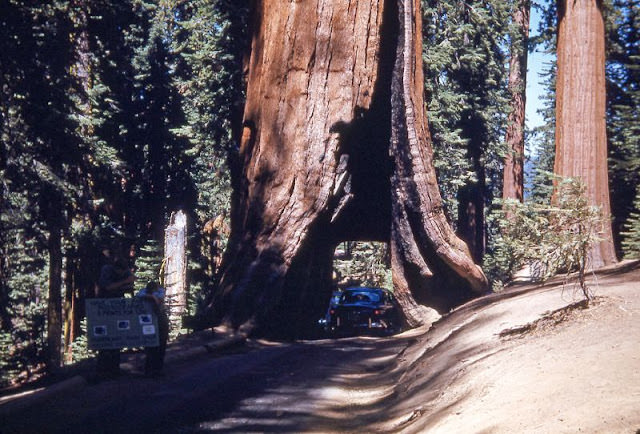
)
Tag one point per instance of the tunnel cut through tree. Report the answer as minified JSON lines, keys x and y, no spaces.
{"x":335,"y":147}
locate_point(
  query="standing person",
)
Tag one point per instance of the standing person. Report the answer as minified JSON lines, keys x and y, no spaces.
{"x":154,"y":356}
{"x":115,"y":280}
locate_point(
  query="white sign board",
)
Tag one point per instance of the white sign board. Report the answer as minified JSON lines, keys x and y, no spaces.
{"x":121,"y":323}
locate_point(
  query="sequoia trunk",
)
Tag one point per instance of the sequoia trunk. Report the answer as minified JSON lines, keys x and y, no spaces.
{"x":581,"y":142}
{"x":321,"y":164}
{"x":513,"y":180}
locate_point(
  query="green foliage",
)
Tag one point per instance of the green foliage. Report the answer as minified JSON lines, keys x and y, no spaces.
{"x":80,"y":347}
{"x":42,"y":164}
{"x":92,"y":113}
{"x":149,"y":263}
{"x":623,"y":108}
{"x":362,"y":263}
{"x":550,"y":239}
{"x":24,"y":273}
{"x":213,"y":95}
{"x":631,"y":235}
{"x":211,"y":38}
{"x":465,"y":81}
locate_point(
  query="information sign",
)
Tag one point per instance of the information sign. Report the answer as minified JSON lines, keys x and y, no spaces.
{"x":121,"y":323}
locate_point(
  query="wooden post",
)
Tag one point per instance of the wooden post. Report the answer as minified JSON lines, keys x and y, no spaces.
{"x":175,"y":267}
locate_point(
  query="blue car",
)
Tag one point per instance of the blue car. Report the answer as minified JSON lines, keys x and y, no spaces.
{"x":361,"y":310}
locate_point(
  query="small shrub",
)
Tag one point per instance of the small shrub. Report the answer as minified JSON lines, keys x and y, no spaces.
{"x":550,"y":239}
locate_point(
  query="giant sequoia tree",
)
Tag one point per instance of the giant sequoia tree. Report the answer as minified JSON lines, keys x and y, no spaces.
{"x":581,"y":142}
{"x":335,"y":147}
{"x":513,"y":179}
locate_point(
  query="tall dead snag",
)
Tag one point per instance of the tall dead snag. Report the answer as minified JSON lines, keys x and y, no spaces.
{"x":513,"y":179}
{"x":581,"y":142}
{"x":175,"y":266}
{"x":316,"y":165}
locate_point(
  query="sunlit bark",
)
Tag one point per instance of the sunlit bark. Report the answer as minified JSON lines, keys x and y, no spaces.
{"x":513,"y":180}
{"x":581,"y":142}
{"x":335,"y":148}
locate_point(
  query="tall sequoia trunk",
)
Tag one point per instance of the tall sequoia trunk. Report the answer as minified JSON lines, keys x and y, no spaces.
{"x":581,"y":142}
{"x":513,"y":179}
{"x":334,"y":148}
{"x":428,"y":260}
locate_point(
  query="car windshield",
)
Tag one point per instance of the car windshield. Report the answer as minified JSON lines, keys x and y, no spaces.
{"x":361,"y":297}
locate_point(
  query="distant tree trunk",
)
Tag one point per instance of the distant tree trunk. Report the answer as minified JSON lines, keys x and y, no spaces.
{"x":471,"y":202}
{"x":334,"y":89}
{"x":79,"y":266}
{"x":513,"y":179}
{"x":581,"y":142}
{"x":69,"y":317}
{"x":54,"y":303}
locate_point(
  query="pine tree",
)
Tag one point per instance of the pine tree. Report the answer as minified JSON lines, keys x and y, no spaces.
{"x":158,"y":153}
{"x":211,"y":39}
{"x":631,"y":234}
{"x":466,"y":97}
{"x":623,"y":109}
{"x":149,"y":263}
{"x":44,"y":154}
{"x":99,"y":71}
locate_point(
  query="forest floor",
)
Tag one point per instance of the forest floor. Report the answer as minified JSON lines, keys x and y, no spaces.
{"x":529,"y":359}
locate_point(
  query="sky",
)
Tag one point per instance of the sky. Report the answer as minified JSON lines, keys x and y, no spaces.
{"x":535,"y":64}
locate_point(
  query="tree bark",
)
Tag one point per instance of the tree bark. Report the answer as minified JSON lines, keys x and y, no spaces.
{"x":513,"y":179}
{"x":54,"y":303}
{"x":322,"y":164}
{"x":426,"y":254}
{"x":79,"y":269}
{"x":175,"y":267}
{"x":581,"y":142}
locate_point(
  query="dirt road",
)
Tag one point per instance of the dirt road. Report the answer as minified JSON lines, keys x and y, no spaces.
{"x":527,"y":360}
{"x":264,"y":388}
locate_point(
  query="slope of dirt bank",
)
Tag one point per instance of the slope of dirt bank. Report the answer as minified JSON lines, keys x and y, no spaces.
{"x":528,"y":359}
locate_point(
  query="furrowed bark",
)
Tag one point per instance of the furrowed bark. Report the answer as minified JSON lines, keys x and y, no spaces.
{"x":317,"y":168}
{"x":581,"y":142}
{"x":426,"y":254}
{"x":312,"y":72}
{"x":513,"y":179}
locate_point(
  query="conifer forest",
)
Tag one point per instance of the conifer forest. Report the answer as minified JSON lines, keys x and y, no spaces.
{"x":312,"y":145}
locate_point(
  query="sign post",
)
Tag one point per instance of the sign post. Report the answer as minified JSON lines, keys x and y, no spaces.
{"x":121,"y":323}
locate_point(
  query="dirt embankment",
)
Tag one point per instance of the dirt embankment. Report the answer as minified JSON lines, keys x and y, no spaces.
{"x":530,"y":359}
